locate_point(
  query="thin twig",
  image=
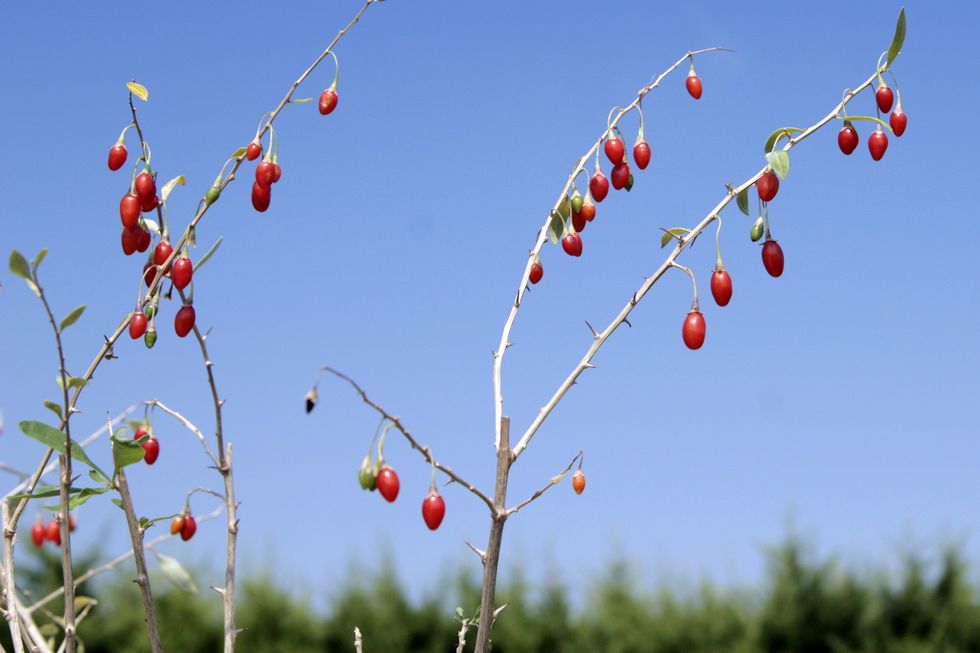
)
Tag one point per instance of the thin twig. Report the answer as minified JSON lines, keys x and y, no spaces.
{"x":580,"y":168}
{"x":357,"y":640}
{"x":188,"y":425}
{"x":425,"y":451}
{"x":681,"y":245}
{"x":555,"y":480}
{"x":142,"y":575}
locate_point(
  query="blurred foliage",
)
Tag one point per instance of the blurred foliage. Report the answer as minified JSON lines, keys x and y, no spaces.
{"x":805,"y":605}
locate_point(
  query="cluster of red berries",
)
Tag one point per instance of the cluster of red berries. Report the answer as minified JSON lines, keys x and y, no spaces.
{"x":267,"y":173}
{"x":185,"y":525}
{"x":50,"y":532}
{"x":384,"y":479}
{"x":848,"y":139}
{"x":140,"y":199}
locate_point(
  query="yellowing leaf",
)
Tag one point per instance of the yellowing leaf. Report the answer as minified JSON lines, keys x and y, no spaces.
{"x":169,"y":186}
{"x":138,"y":90}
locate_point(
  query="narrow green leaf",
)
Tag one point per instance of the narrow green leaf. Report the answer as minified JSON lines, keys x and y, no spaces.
{"x":896,"y":47}
{"x":239,"y":152}
{"x":169,"y":186}
{"x":138,"y":90}
{"x":18,"y":265}
{"x":52,"y":438}
{"x":779,"y":160}
{"x":117,"y":503}
{"x":76,"y":382}
{"x":36,"y":263}
{"x":54,"y":408}
{"x":86,"y":494}
{"x":556,"y":229}
{"x":670,"y":234}
{"x":41,"y":492}
{"x":210,"y":252}
{"x":96,"y":475}
{"x":176,"y":574}
{"x":778,"y":134}
{"x":126,"y":452}
{"x":301,"y":100}
{"x":743,"y":201}
{"x":72,"y":317}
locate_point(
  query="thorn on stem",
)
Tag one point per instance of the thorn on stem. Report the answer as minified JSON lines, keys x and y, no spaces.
{"x":627,"y":323}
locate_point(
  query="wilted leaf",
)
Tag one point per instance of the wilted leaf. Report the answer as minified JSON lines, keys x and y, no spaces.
{"x":152,"y":225}
{"x":779,"y":160}
{"x":138,"y":90}
{"x":169,"y":186}
{"x":176,"y":574}
{"x":72,"y":317}
{"x":239,"y":152}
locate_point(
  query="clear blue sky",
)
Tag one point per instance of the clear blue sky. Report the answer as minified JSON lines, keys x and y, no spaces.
{"x":840,"y":397}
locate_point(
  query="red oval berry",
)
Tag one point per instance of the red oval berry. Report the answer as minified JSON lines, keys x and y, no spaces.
{"x":137,"y":325}
{"x":328,"y":101}
{"x":37,"y":531}
{"x":694,"y":329}
{"x":768,"y":186}
{"x":599,"y":186}
{"x":572,"y":244}
{"x":578,"y":481}
{"x":71,"y":523}
{"x":130,"y":240}
{"x":387,"y":481}
{"x":145,"y":185}
{"x":620,"y":175}
{"x":129,"y":210}
{"x":184,"y":320}
{"x":276,"y":173}
{"x":149,"y":273}
{"x":615,"y":150}
{"x":117,"y":156}
{"x":878,"y":143}
{"x":772,"y":258}
{"x":693,"y":84}
{"x":152,"y":448}
{"x":847,"y":138}
{"x":578,"y":221}
{"x":261,"y":197}
{"x":253,"y":151}
{"x":161,"y":253}
{"x":641,"y":154}
{"x":144,"y":240}
{"x":588,"y":211}
{"x":177,"y":525}
{"x":433,"y":510}
{"x":264,"y":172}
{"x":188,"y":528}
{"x":182,"y":272}
{"x":884,"y":97}
{"x":53,"y":532}
{"x":721,"y":287}
{"x":898,"y":120}
{"x":149,"y":203}
{"x":537,"y":272}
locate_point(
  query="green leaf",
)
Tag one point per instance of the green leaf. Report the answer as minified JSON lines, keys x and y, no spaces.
{"x":117,"y":503}
{"x":86,"y":494}
{"x":176,"y":574}
{"x":71,"y":318}
{"x":36,"y":263}
{"x":778,"y":134}
{"x":210,"y":252}
{"x":169,"y":186}
{"x":556,"y":229}
{"x":239,"y":152}
{"x":670,"y":234}
{"x":52,"y":438}
{"x":126,"y":452}
{"x":98,"y":477}
{"x":779,"y":160}
{"x":41,"y":492}
{"x":138,"y":90}
{"x":301,"y":100}
{"x":18,"y":265}
{"x":896,"y":47}
{"x":76,"y":382}
{"x":743,"y":201}
{"x":565,"y":207}
{"x":54,"y":408}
